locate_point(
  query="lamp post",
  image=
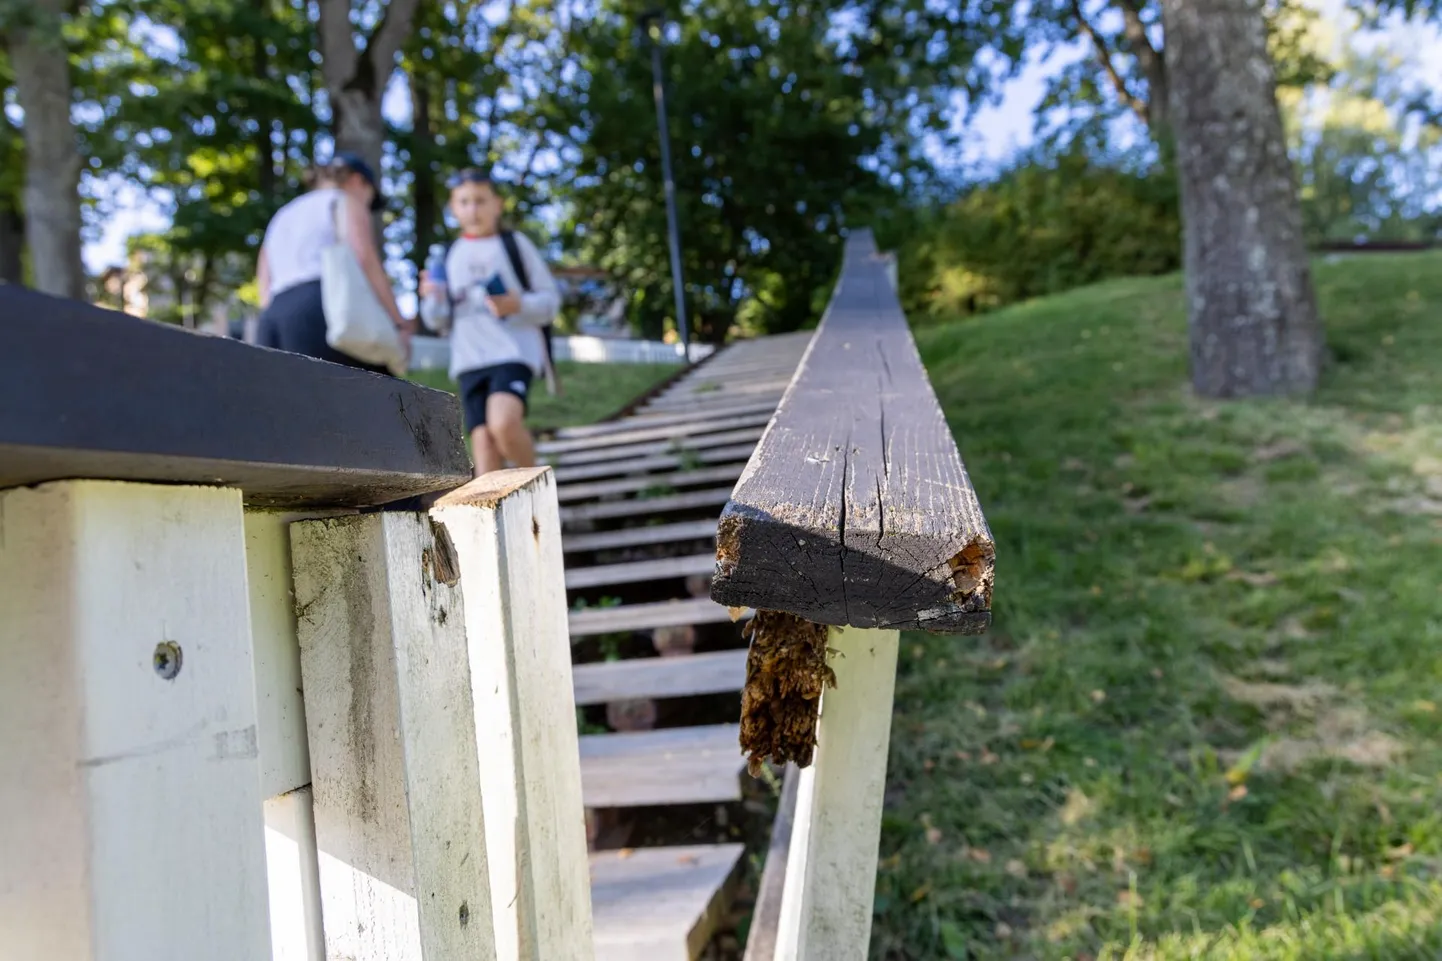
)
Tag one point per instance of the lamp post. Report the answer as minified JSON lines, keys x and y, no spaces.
{"x":651,"y":24}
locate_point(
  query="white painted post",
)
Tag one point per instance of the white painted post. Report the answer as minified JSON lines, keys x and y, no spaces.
{"x":507,"y":533}
{"x":831,"y":867}
{"x":290,"y":857}
{"x":130,"y":808}
{"x":392,"y":741}
{"x":290,"y":847}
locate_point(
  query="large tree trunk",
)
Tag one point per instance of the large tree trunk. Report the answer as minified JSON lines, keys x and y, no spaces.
{"x":1252,"y":312}
{"x":355,"y":79}
{"x":41,"y":64}
{"x":427,"y":209}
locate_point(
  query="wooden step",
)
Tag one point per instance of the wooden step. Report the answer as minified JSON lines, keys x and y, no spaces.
{"x":636,"y":572}
{"x":590,"y":490}
{"x":678,"y":765}
{"x":640,"y":536}
{"x":660,"y":904}
{"x":655,"y":462}
{"x":710,"y":425}
{"x":682,"y":405}
{"x":662,"y":420}
{"x":623,"y":451}
{"x":711,"y":497}
{"x":714,"y":672}
{"x":645,"y":617}
{"x":727,"y":385}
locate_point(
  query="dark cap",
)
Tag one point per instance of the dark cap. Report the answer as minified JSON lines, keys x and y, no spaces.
{"x":356,"y":164}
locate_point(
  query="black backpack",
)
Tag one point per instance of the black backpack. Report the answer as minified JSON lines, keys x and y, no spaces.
{"x":513,"y":254}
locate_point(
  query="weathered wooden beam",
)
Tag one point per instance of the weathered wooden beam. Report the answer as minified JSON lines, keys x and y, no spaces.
{"x":91,"y":393}
{"x":855,"y":508}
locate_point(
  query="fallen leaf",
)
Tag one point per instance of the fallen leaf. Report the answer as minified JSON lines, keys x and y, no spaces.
{"x":1237,"y":793}
{"x":933,"y":836}
{"x":688,"y":859}
{"x":1032,"y":744}
{"x":1096,"y":590}
{"x":1251,"y":579}
{"x":1399,"y":853}
{"x":963,"y":755}
{"x":891,"y":863}
{"x":979,"y":855}
{"x":1089,"y":762}
{"x":1257,"y":904}
{"x":918,"y":652}
{"x":1129,"y":899}
{"x":1099,"y":695}
{"x":1016,"y":868}
{"x":1158,"y":673}
{"x":988,"y":758}
{"x":625,"y":853}
{"x":1387,"y":872}
{"x":1424,"y":707}
{"x":736,"y":613}
{"x":1003,"y":930}
{"x":920,"y":893}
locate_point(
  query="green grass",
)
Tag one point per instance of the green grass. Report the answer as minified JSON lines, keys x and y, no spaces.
{"x":589,"y":391}
{"x":1205,"y":723}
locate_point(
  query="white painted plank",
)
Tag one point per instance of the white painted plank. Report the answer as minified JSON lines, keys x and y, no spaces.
{"x":654,"y":462}
{"x":633,"y":572}
{"x":831,"y":868}
{"x":647,"y":506}
{"x":660,"y":904}
{"x":681,"y":532}
{"x":632,"y":421}
{"x":683,"y":765}
{"x":640,"y":433}
{"x":398,"y":811}
{"x":130,"y":808}
{"x":645,"y":617}
{"x":623,"y":452}
{"x":294,"y":870}
{"x":630,"y":485}
{"x":713,"y":672}
{"x":506,"y":529}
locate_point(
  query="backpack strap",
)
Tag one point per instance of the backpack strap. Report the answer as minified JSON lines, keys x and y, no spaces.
{"x":513,"y":254}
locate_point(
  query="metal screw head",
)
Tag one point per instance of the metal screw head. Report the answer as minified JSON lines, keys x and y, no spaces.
{"x":166,"y":659}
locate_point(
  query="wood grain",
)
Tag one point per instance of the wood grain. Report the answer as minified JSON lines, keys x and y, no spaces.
{"x":654,"y":462}
{"x":87,"y":392}
{"x":711,"y":497}
{"x":646,"y":617}
{"x":633,"y":572}
{"x":714,"y":672}
{"x":682,"y":765}
{"x":855,"y":508}
{"x":592,"y":490}
{"x":660,"y":904}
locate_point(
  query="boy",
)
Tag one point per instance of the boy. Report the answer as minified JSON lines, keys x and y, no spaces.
{"x":497,"y":347}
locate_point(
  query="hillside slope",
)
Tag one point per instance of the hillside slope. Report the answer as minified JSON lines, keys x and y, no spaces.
{"x":1206,"y":721}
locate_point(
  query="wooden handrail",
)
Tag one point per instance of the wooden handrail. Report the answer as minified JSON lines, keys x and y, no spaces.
{"x":855,"y":508}
{"x":91,"y":393}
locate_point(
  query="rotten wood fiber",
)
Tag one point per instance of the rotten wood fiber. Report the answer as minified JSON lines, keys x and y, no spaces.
{"x":91,"y":393}
{"x":855,"y":508}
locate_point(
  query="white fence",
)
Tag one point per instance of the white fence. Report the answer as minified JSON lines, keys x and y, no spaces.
{"x":434,"y":353}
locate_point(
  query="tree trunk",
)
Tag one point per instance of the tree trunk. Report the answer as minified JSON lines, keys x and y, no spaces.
{"x":1252,"y":312}
{"x":41,"y":64}
{"x":355,"y":79}
{"x":12,"y":242}
{"x":422,"y":150}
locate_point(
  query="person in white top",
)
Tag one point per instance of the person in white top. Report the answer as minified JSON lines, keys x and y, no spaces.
{"x":288,"y":273}
{"x":495,"y":319}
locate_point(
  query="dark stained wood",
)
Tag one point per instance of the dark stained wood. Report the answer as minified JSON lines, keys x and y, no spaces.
{"x":92,"y":393}
{"x":855,"y":508}
{"x":647,"y":506}
{"x":639,"y":536}
{"x":766,"y":915}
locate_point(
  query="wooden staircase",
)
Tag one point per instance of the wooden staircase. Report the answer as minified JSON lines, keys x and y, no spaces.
{"x":640,"y":496}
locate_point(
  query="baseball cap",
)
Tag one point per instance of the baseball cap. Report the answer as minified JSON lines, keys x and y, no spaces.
{"x":356,"y":164}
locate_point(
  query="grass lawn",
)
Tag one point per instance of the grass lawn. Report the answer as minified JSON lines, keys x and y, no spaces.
{"x":1206,"y":722}
{"x":590,"y":391}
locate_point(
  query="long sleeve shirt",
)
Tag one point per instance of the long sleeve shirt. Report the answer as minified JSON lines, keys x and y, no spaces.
{"x":479,"y":338}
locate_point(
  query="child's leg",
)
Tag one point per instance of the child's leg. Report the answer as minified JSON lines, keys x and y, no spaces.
{"x":506,"y":421}
{"x":484,"y":451}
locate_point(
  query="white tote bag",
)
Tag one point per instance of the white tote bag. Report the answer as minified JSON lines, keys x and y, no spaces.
{"x":355,"y":322}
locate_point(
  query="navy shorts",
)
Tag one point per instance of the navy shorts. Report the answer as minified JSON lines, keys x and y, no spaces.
{"x":478,"y":385}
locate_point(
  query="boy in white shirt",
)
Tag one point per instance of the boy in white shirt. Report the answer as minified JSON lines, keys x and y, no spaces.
{"x":495,"y":307}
